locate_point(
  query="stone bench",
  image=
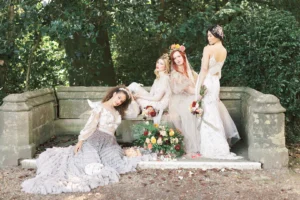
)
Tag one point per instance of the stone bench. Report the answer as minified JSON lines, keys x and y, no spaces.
{"x":31,"y":118}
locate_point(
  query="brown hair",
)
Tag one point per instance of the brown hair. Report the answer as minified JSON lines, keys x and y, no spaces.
{"x":123,"y":107}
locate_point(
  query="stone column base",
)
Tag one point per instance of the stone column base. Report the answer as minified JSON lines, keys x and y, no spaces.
{"x":10,"y":155}
{"x":271,"y":158}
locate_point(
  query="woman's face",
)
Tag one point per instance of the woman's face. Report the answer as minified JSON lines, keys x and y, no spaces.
{"x":211,"y":38}
{"x":178,"y":59}
{"x":160,"y":65}
{"x":118,"y":98}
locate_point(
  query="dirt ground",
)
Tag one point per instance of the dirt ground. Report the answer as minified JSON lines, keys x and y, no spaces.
{"x":177,"y":184}
{"x":173,"y":184}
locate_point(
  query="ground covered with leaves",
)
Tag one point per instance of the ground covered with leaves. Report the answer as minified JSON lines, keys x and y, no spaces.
{"x":172,"y":184}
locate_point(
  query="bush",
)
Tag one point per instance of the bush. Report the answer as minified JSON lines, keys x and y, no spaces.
{"x":264,"y":53}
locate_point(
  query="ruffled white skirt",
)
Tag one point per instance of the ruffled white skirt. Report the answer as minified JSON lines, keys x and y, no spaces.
{"x":59,"y":170}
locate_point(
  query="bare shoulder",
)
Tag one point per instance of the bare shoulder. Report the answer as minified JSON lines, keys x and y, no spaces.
{"x":224,"y":50}
{"x":208,"y":49}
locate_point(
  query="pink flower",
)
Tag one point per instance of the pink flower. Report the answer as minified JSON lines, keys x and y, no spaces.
{"x":182,"y":48}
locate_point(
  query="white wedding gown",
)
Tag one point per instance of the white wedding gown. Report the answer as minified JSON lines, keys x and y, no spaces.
{"x":216,"y":128}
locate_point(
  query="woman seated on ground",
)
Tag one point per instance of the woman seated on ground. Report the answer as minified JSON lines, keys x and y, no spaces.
{"x":94,"y":161}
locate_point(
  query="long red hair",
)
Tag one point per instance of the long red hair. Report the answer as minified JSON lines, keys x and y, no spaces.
{"x":184,"y":62}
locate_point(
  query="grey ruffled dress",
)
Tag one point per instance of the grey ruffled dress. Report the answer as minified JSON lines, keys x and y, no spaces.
{"x":60,"y":170}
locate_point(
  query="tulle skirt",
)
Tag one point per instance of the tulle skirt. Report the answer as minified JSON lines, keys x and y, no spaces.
{"x":185,"y":121}
{"x":59,"y":170}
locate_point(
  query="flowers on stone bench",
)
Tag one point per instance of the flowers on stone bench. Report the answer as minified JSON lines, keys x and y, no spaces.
{"x":159,"y":139}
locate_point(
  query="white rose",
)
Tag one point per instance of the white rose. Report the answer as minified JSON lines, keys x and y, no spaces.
{"x":176,"y":140}
{"x":147,"y":140}
{"x":159,"y":141}
{"x":163,"y":133}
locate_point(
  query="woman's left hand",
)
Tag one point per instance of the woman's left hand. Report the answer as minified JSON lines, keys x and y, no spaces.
{"x":78,"y":147}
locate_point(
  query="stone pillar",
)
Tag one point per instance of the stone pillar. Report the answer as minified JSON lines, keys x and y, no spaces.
{"x":265,"y":127}
{"x":24,"y":119}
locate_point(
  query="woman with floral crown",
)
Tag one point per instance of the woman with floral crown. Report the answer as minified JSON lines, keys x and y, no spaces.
{"x":95,"y":160}
{"x":182,"y":81}
{"x":155,"y":101}
{"x":216,"y":128}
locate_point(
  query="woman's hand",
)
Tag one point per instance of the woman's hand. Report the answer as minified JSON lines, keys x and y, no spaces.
{"x":78,"y":146}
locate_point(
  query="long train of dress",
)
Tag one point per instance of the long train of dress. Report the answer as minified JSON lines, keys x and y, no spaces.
{"x":216,"y":128}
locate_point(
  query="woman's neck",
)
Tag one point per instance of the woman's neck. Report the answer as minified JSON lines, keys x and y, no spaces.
{"x":180,"y":68}
{"x":218,"y":43}
{"x":161,"y":73}
{"x":109,"y":104}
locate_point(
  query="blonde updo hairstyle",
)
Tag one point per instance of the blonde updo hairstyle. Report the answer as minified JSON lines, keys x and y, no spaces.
{"x":165,"y":58}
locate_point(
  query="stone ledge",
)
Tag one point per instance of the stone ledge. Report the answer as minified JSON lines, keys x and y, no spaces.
{"x":31,"y":163}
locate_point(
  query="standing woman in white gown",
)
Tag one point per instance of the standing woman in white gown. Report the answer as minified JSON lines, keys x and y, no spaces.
{"x":159,"y":95}
{"x":94,"y":161}
{"x":182,"y":81}
{"x":217,"y":130}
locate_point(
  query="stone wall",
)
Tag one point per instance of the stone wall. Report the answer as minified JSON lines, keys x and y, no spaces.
{"x":26,"y":120}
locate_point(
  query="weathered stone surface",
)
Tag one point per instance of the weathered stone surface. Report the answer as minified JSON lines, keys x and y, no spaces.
{"x":31,"y":118}
{"x":69,"y":126}
{"x":72,"y":109}
{"x":25,"y":119}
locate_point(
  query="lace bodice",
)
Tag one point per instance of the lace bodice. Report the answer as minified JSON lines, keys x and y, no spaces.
{"x":179,"y":82}
{"x":100,"y":119}
{"x":215,"y":67}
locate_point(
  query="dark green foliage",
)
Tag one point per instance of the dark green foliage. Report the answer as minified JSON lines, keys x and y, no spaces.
{"x":264,"y":53}
{"x":111,"y":42}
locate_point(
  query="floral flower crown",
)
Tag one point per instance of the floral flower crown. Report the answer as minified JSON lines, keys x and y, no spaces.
{"x":177,"y":47}
{"x":218,"y":30}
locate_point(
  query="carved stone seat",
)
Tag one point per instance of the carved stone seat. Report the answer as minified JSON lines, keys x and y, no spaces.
{"x":31,"y":118}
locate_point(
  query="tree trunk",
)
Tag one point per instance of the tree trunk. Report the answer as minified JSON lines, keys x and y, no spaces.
{"x":30,"y":60}
{"x":107,"y":72}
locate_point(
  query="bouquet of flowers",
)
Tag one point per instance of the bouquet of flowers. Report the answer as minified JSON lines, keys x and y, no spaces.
{"x":149,"y":111}
{"x":159,"y":139}
{"x":195,"y":107}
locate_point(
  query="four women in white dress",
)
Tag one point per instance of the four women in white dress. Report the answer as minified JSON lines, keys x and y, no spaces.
{"x":71,"y":169}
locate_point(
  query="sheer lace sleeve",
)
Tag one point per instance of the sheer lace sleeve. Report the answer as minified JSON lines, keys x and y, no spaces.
{"x":159,"y":89}
{"x":179,"y":83}
{"x":91,"y":124}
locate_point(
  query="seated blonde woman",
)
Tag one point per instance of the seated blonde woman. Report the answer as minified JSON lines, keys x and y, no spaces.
{"x":158,"y":98}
